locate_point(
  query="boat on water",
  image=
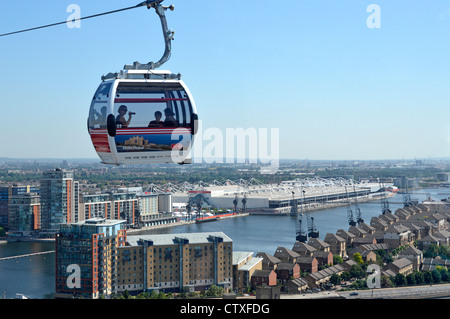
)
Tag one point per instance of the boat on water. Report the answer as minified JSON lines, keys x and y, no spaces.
{"x":393,"y":189}
{"x":208,"y":217}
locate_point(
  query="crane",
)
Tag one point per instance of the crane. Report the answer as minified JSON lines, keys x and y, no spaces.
{"x":359,"y":218}
{"x":300,"y":234}
{"x":313,"y":232}
{"x":235,"y":204}
{"x":244,"y":203}
{"x":384,"y":204}
{"x":350,"y":216}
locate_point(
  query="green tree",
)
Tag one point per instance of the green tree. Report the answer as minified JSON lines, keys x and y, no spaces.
{"x":357,"y":272}
{"x":386,"y":282}
{"x":431,"y":252}
{"x":335,"y":279}
{"x":381,"y":252}
{"x":215,"y":291}
{"x":410,"y":279}
{"x":444,"y":251}
{"x":444,"y":274}
{"x":337,"y":260}
{"x":389,"y":258}
{"x":358,"y":258}
{"x":161,"y":295}
{"x":419,"y":277}
{"x":126,"y":294}
{"x":359,"y":284}
{"x":428,"y":278}
{"x":346,"y":276}
{"x":400,"y":280}
{"x":2,"y":232}
{"x":436,"y":276}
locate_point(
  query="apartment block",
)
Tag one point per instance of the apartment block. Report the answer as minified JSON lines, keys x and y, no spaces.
{"x":59,"y":199}
{"x":111,"y":205}
{"x":6,"y":192}
{"x":24,"y":214}
{"x":175,"y":262}
{"x":86,"y":258}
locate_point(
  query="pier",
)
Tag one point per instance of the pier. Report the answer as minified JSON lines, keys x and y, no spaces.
{"x":27,"y":255}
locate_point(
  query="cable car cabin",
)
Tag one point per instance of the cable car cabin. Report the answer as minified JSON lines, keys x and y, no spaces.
{"x":142,"y":116}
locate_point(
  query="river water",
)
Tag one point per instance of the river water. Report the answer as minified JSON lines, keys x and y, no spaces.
{"x":35,"y":276}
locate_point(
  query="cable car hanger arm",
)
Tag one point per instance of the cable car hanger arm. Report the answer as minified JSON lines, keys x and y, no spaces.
{"x":167,"y":33}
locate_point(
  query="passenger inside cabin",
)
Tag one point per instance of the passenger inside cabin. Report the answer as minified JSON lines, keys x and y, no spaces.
{"x":157,"y":121}
{"x":100,"y":118}
{"x":170,"y":121}
{"x":120,"y":119}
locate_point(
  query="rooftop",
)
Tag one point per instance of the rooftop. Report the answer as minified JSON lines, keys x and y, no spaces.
{"x":170,"y":239}
{"x":100,"y":222}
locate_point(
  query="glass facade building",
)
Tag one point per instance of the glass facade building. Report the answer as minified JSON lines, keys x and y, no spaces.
{"x":59,"y":199}
{"x":24,"y":213}
{"x":6,"y":192}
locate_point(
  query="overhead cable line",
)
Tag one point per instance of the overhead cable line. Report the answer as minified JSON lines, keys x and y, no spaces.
{"x":145,"y":3}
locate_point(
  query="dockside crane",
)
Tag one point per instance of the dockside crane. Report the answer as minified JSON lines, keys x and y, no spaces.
{"x":350,"y":216}
{"x":313,"y":232}
{"x":300,"y":233}
{"x":359,"y":218}
{"x":384,"y":204}
{"x":294,"y":205}
{"x":244,"y":203}
{"x":235,"y":204}
{"x":407,"y":201}
{"x":385,"y":209}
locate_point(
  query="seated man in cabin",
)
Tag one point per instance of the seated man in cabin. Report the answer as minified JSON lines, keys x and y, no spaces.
{"x":157,"y":121}
{"x":170,"y":120}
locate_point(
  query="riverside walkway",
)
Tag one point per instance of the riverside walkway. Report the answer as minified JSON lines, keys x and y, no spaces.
{"x":27,"y":255}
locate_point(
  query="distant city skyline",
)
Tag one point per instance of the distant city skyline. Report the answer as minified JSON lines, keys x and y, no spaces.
{"x":340,"y":80}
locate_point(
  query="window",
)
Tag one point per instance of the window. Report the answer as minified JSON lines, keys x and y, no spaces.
{"x":98,"y":111}
{"x":153,"y":104}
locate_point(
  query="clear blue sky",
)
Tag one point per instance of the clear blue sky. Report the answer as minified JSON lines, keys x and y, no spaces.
{"x":334,"y":87}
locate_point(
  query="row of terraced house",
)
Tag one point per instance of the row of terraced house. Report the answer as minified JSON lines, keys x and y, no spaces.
{"x":416,"y":227}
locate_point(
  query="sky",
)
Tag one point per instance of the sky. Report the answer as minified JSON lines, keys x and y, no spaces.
{"x":337,"y":80}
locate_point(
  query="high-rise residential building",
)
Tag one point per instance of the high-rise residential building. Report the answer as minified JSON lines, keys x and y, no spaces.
{"x":86,"y":258}
{"x":96,"y":205}
{"x":148,"y":208}
{"x":24,"y":214}
{"x":109,"y":205}
{"x":175,"y":262}
{"x":124,"y":208}
{"x":6,"y":192}
{"x":59,"y":196}
{"x":165,"y":202}
{"x":95,"y":257}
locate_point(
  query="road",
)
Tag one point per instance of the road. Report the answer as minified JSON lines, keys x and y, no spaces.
{"x":417,"y":292}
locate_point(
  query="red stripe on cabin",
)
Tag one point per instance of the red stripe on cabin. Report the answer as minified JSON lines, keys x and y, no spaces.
{"x":100,"y":141}
{"x":148,"y":100}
